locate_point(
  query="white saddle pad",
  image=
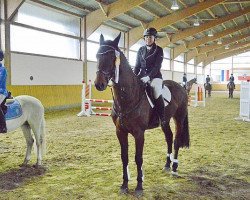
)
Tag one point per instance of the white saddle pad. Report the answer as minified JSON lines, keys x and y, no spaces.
{"x":166,"y":96}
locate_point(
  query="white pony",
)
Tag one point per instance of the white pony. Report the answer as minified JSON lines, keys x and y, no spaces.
{"x":31,"y":118}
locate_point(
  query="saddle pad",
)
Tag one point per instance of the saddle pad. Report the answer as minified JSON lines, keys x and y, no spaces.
{"x":14,"y":110}
{"x":166,"y":95}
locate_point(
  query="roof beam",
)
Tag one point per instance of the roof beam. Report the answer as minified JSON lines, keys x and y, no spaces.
{"x":135,"y":33}
{"x":206,"y":39}
{"x":226,"y":55}
{"x":12,"y":7}
{"x":223,"y":51}
{"x":95,"y":18}
{"x":195,"y":30}
{"x":198,"y":42}
{"x":230,"y":2}
{"x":75,"y":5}
{"x":206,"y":49}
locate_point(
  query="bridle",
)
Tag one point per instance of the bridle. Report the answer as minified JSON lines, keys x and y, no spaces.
{"x":108,"y":75}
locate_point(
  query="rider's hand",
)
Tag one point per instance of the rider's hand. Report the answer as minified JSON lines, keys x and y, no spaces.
{"x":145,"y":79}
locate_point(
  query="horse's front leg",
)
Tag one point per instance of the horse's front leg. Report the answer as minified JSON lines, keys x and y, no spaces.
{"x":139,"y":143}
{"x":123,"y":139}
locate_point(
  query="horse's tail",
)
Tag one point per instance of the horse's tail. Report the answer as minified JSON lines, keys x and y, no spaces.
{"x":42,"y":136}
{"x":184,"y":134}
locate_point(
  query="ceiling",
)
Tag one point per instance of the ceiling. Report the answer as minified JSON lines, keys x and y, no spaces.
{"x":228,"y":20}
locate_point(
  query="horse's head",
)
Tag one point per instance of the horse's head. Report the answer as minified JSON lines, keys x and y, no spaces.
{"x":108,"y":57}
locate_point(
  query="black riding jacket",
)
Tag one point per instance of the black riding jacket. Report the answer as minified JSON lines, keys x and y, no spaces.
{"x":184,"y":79}
{"x":231,"y":79}
{"x":148,"y":62}
{"x":207,"y":80}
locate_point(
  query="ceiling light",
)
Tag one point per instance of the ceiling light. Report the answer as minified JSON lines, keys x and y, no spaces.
{"x":219,"y":41}
{"x":196,"y":22}
{"x":174,"y":5}
{"x":226,"y":47}
{"x":210,"y":34}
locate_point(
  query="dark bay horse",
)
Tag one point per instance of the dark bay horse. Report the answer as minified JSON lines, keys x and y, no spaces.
{"x":208,"y":89}
{"x":230,"y":87}
{"x":132,"y":112}
{"x":190,"y":84}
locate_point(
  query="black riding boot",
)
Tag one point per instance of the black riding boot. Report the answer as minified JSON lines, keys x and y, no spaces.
{"x":159,"y":103}
{"x":3,"y":128}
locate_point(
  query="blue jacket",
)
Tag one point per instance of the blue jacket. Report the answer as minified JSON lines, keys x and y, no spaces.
{"x":3,"y":77}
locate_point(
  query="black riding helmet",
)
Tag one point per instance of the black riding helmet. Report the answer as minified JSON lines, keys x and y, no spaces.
{"x":150,"y":31}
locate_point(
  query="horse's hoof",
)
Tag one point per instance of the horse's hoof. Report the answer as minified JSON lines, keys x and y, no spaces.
{"x":123,"y":190}
{"x":166,"y":169}
{"x":24,"y":165}
{"x":175,"y":174}
{"x":37,"y":166}
{"x":138,"y":192}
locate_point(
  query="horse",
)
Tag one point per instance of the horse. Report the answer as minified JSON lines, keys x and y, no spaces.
{"x":190,"y":84}
{"x":230,"y":87}
{"x":132,"y":112}
{"x":208,"y":88}
{"x":27,"y":112}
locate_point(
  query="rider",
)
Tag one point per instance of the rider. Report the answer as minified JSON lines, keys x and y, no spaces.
{"x":208,"y":80}
{"x":184,"y":80}
{"x":147,"y":67}
{"x":231,"y":80}
{"x":3,"y":93}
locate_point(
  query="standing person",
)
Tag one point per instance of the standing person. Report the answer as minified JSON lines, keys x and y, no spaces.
{"x":3,"y":93}
{"x":148,"y":64}
{"x":208,"y":80}
{"x":184,"y":80}
{"x":231,"y":80}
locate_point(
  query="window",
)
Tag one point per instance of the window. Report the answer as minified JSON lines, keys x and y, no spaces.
{"x":166,"y":52}
{"x":165,"y":64}
{"x":28,"y":40}
{"x":178,"y":66}
{"x":132,"y":58}
{"x":108,"y":33}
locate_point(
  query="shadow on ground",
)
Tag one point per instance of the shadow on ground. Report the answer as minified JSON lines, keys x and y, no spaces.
{"x":218,"y":185}
{"x":16,"y":177}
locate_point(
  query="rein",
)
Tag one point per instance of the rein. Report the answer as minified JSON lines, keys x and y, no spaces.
{"x":119,"y":112}
{"x":122,"y":115}
{"x":117,"y":63}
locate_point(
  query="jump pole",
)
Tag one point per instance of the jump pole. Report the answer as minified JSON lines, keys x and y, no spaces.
{"x":86,"y":105}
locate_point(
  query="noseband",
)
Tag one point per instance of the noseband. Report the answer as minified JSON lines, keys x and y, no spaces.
{"x":108,"y":75}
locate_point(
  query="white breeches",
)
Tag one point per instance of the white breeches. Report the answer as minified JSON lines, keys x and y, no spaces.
{"x":2,"y":97}
{"x":156,"y":84}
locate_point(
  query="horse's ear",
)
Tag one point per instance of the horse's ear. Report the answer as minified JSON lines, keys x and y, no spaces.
{"x":101,"y":39}
{"x":117,"y":39}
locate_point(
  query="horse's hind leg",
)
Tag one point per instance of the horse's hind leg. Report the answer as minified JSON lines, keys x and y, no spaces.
{"x":169,"y":139}
{"x":38,"y":130}
{"x":29,"y":141}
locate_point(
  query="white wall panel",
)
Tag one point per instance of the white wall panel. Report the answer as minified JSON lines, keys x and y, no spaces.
{"x":45,"y":70}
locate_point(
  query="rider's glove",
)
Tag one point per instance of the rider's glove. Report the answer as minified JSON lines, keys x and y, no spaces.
{"x":145,"y":79}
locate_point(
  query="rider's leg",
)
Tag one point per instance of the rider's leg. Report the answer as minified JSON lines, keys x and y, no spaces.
{"x":156,"y":84}
{"x":3,"y":128}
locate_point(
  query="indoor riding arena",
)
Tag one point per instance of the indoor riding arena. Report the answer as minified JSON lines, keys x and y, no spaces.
{"x":83,"y":124}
